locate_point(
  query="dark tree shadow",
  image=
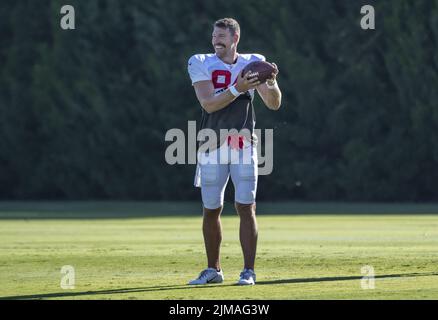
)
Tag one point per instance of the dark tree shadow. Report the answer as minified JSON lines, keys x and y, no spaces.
{"x":185,"y":287}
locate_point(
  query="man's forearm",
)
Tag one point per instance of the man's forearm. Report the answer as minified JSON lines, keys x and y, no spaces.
{"x":218,"y":102}
{"x":211,"y":102}
{"x":275,"y":98}
{"x":272,"y":97}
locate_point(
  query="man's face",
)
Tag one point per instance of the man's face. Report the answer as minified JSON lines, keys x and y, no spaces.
{"x":223,"y":42}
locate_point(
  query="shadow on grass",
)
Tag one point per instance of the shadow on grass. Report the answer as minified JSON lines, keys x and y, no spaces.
{"x":185,"y":287}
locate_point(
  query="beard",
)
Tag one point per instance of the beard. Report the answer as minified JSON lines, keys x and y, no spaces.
{"x":221,"y":50}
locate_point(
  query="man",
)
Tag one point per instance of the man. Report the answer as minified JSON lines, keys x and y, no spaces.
{"x":226,"y":96}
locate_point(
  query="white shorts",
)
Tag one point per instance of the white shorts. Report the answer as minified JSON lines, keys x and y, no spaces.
{"x":214,"y":169}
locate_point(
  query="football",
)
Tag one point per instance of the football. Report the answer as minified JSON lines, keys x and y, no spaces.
{"x":261,"y":69}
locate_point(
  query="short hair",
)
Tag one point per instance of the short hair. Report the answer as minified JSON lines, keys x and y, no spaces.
{"x":228,"y":23}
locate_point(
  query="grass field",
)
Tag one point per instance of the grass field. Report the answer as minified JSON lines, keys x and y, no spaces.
{"x":151,"y":257}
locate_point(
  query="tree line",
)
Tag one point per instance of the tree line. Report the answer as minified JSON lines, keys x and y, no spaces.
{"x":84,"y":112}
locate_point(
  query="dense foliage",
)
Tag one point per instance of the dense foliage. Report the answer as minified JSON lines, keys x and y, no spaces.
{"x":83,"y":113}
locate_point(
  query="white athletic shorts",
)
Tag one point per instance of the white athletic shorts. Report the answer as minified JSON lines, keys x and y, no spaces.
{"x":214,"y":169}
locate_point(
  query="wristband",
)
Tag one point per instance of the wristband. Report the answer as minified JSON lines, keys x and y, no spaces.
{"x":234,"y":91}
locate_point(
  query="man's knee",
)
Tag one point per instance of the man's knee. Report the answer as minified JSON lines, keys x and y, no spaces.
{"x":245,"y":210}
{"x":212,"y":213}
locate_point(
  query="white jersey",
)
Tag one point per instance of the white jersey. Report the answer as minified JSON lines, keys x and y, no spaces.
{"x":239,"y":114}
{"x":203,"y":67}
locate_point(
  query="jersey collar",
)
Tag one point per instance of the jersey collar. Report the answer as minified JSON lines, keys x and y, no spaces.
{"x":229,"y":66}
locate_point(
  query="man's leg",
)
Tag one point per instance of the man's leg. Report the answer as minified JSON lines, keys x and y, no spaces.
{"x":214,"y":178}
{"x":244,"y":174}
{"x":212,"y":230}
{"x":248,"y":232}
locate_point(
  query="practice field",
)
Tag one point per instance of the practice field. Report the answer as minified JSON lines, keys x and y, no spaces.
{"x":299,"y":257}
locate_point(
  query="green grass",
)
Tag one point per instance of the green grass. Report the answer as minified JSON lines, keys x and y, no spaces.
{"x":299,"y":257}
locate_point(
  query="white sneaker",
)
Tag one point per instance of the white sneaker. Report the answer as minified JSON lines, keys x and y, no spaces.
{"x":247,"y":277}
{"x":209,"y":275}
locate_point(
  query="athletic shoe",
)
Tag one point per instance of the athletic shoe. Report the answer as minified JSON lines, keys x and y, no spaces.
{"x":209,"y":275}
{"x":247,"y":277}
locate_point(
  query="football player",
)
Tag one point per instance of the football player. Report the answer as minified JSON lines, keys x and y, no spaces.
{"x":226,"y":97}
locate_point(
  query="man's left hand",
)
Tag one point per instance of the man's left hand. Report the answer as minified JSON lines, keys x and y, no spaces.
{"x":273,"y":78}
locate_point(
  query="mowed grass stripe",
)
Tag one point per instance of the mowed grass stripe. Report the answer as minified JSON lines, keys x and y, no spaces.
{"x":299,"y":257}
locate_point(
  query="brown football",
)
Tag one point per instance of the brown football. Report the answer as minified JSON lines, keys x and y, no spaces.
{"x":261,"y":69}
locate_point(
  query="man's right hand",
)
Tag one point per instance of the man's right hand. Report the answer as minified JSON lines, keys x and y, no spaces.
{"x":244,"y":83}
